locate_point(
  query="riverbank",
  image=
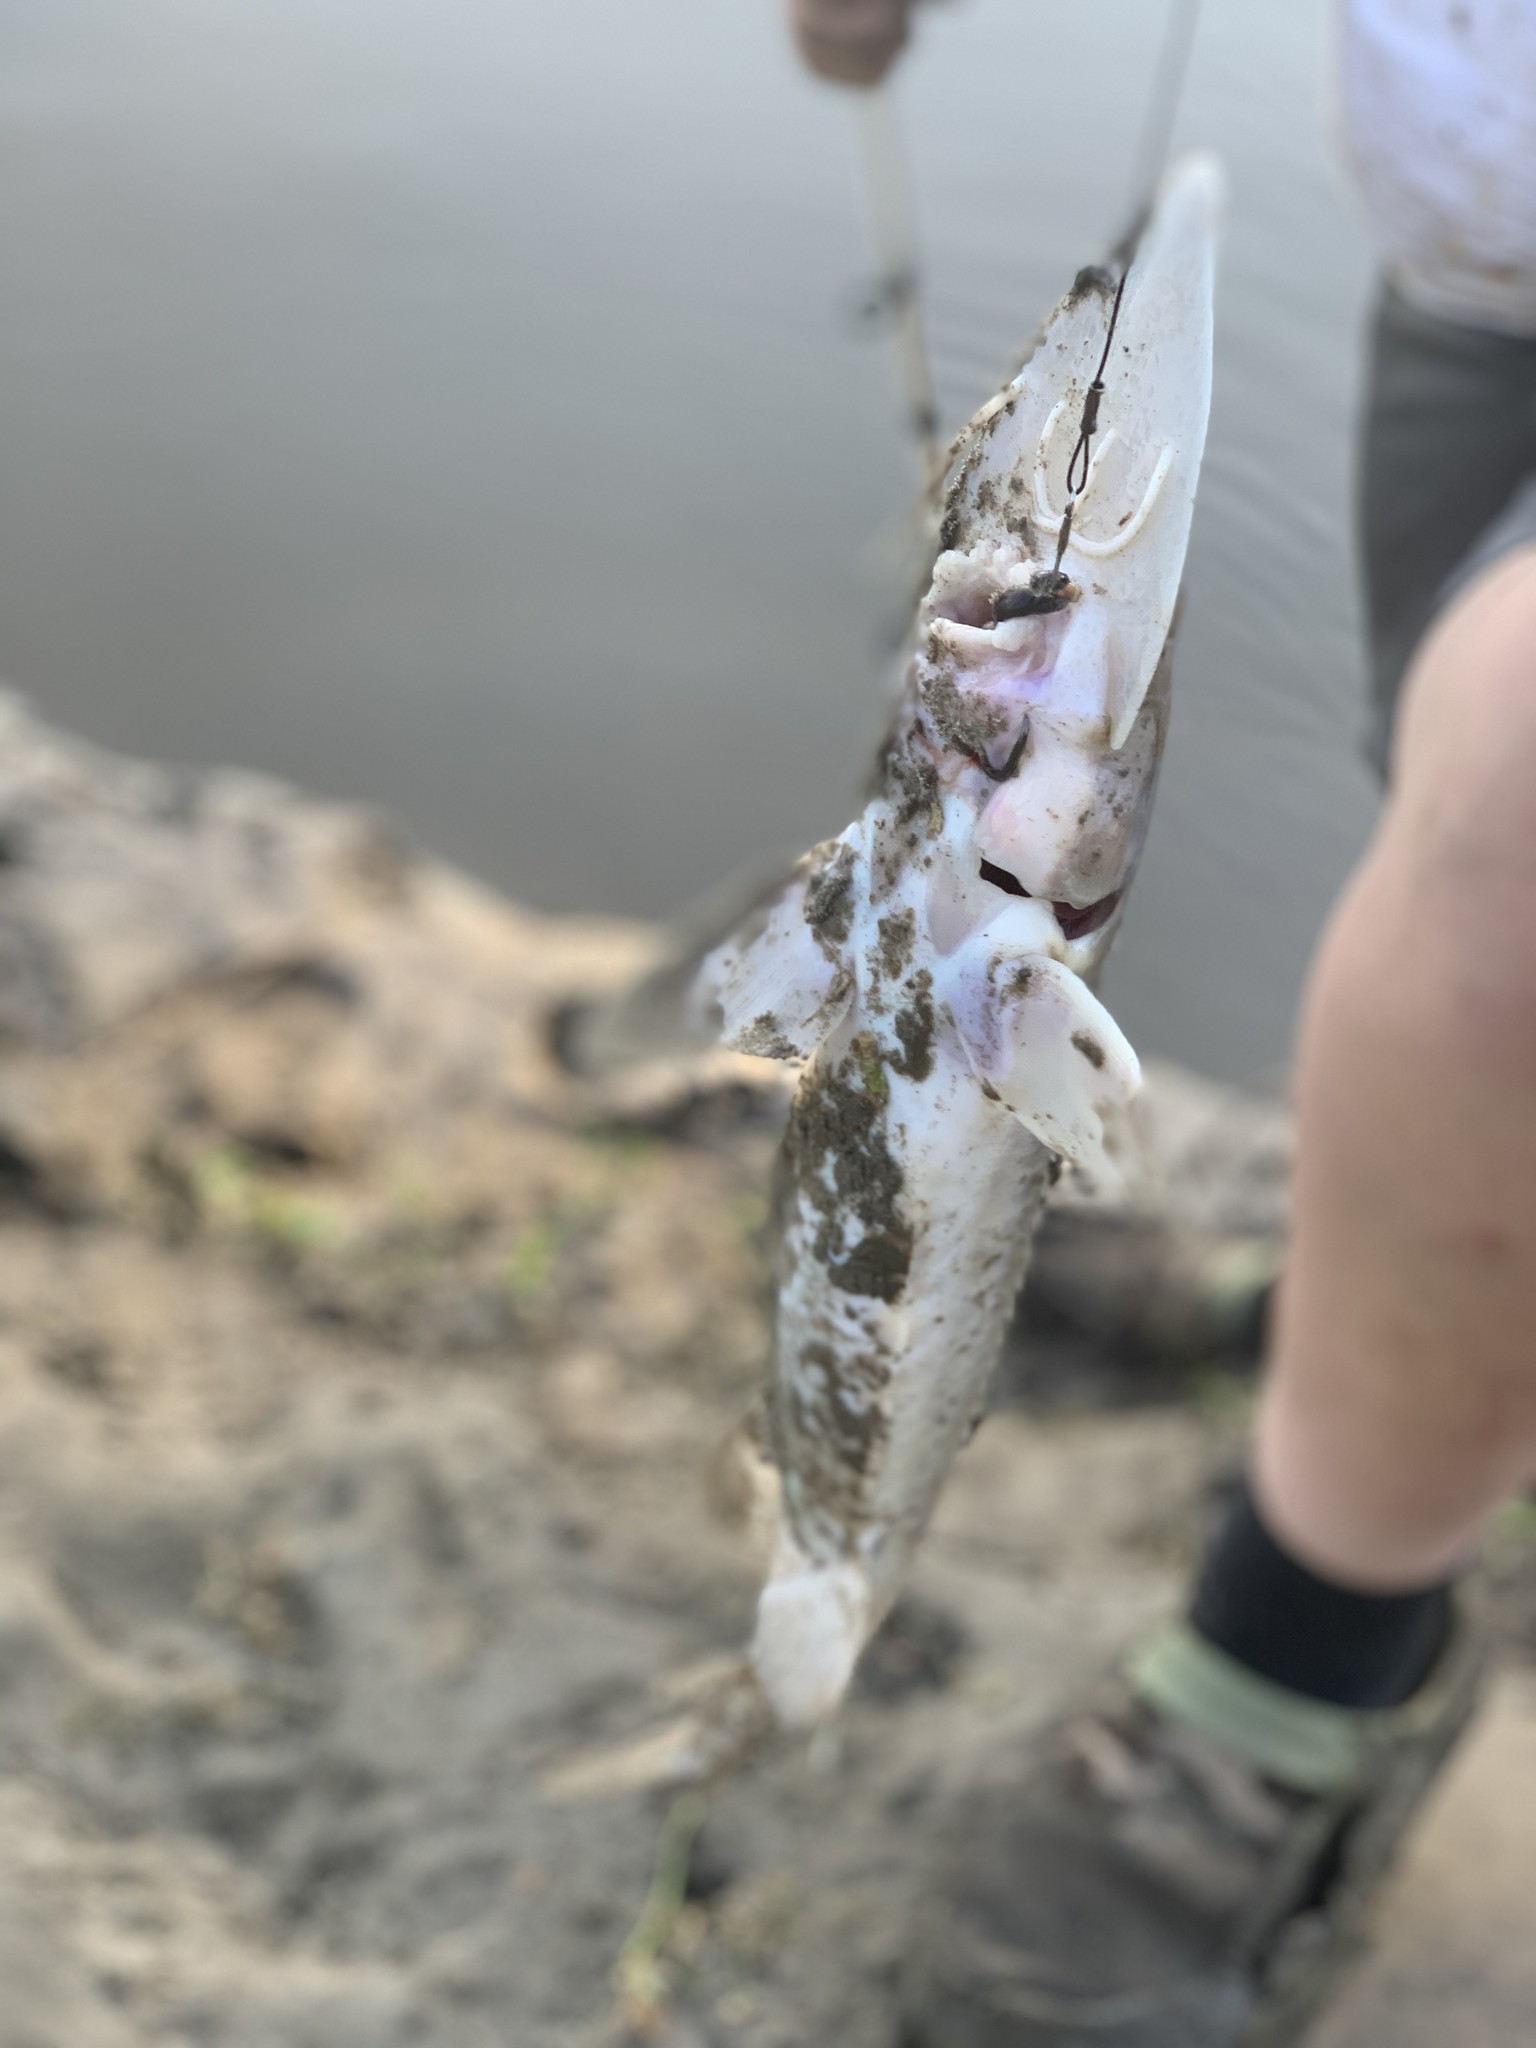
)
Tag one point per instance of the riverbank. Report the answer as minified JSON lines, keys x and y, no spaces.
{"x":362,"y":1378}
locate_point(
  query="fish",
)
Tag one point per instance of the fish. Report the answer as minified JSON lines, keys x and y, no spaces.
{"x":933,"y":969}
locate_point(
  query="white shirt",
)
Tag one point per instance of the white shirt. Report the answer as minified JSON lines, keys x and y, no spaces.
{"x":1438,"y":99}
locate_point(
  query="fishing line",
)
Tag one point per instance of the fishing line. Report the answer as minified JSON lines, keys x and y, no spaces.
{"x":1151,"y":160}
{"x":1163,"y":100}
{"x":1080,"y":462}
{"x":898,"y":289}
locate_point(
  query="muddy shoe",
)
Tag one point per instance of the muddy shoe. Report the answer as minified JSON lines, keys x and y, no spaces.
{"x":1186,"y":1865}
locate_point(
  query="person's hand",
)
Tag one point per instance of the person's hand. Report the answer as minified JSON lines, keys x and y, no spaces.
{"x":854,"y":42}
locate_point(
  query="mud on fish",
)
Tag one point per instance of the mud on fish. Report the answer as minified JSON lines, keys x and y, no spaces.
{"x":934,"y":966}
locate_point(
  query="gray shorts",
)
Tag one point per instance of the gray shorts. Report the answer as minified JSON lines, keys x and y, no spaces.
{"x":1447,"y":479}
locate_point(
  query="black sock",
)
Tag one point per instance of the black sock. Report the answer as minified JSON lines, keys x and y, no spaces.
{"x":1263,"y":1608}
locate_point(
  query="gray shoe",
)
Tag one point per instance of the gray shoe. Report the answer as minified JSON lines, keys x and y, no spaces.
{"x":1145,"y":1885}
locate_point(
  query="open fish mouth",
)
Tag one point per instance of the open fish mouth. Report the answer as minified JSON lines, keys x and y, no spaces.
{"x":1076,"y":921}
{"x":992,"y":602}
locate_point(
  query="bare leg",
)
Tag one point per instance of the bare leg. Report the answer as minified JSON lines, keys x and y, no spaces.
{"x":1400,"y":1404}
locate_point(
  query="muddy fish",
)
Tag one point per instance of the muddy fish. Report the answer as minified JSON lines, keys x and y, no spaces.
{"x":934,"y":966}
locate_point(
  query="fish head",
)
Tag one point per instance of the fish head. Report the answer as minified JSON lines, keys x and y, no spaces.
{"x":1040,"y":679}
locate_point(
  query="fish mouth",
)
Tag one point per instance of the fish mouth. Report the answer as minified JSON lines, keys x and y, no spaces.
{"x":996,"y":601}
{"x":1076,"y":922}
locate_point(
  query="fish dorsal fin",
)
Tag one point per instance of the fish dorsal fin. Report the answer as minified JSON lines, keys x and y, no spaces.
{"x":780,"y":982}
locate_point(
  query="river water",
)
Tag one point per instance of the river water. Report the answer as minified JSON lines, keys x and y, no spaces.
{"x":463,"y":407}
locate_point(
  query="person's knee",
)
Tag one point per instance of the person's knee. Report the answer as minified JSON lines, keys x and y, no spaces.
{"x":1464,"y":767}
{"x":1455,"y":864}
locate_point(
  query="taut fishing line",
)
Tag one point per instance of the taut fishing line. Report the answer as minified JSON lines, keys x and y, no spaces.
{"x":898,"y":289}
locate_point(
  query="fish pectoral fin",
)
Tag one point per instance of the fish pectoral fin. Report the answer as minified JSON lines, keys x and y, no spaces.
{"x":781,"y":981}
{"x":742,"y":955}
{"x":1047,"y":1048}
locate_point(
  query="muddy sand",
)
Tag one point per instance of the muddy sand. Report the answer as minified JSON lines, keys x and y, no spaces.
{"x":363,"y":1378}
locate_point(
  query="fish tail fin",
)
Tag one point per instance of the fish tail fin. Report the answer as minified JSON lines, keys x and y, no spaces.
{"x":812,"y":1623}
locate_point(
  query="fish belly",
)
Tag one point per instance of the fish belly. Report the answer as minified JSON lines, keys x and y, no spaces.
{"x":906,"y":1215}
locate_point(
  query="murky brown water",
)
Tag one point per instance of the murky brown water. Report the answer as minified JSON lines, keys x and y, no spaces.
{"x":463,"y":408}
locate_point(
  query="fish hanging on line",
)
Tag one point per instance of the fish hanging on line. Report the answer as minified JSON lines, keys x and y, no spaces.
{"x":934,"y":966}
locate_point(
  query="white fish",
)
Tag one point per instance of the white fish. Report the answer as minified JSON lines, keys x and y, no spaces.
{"x":934,"y":965}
